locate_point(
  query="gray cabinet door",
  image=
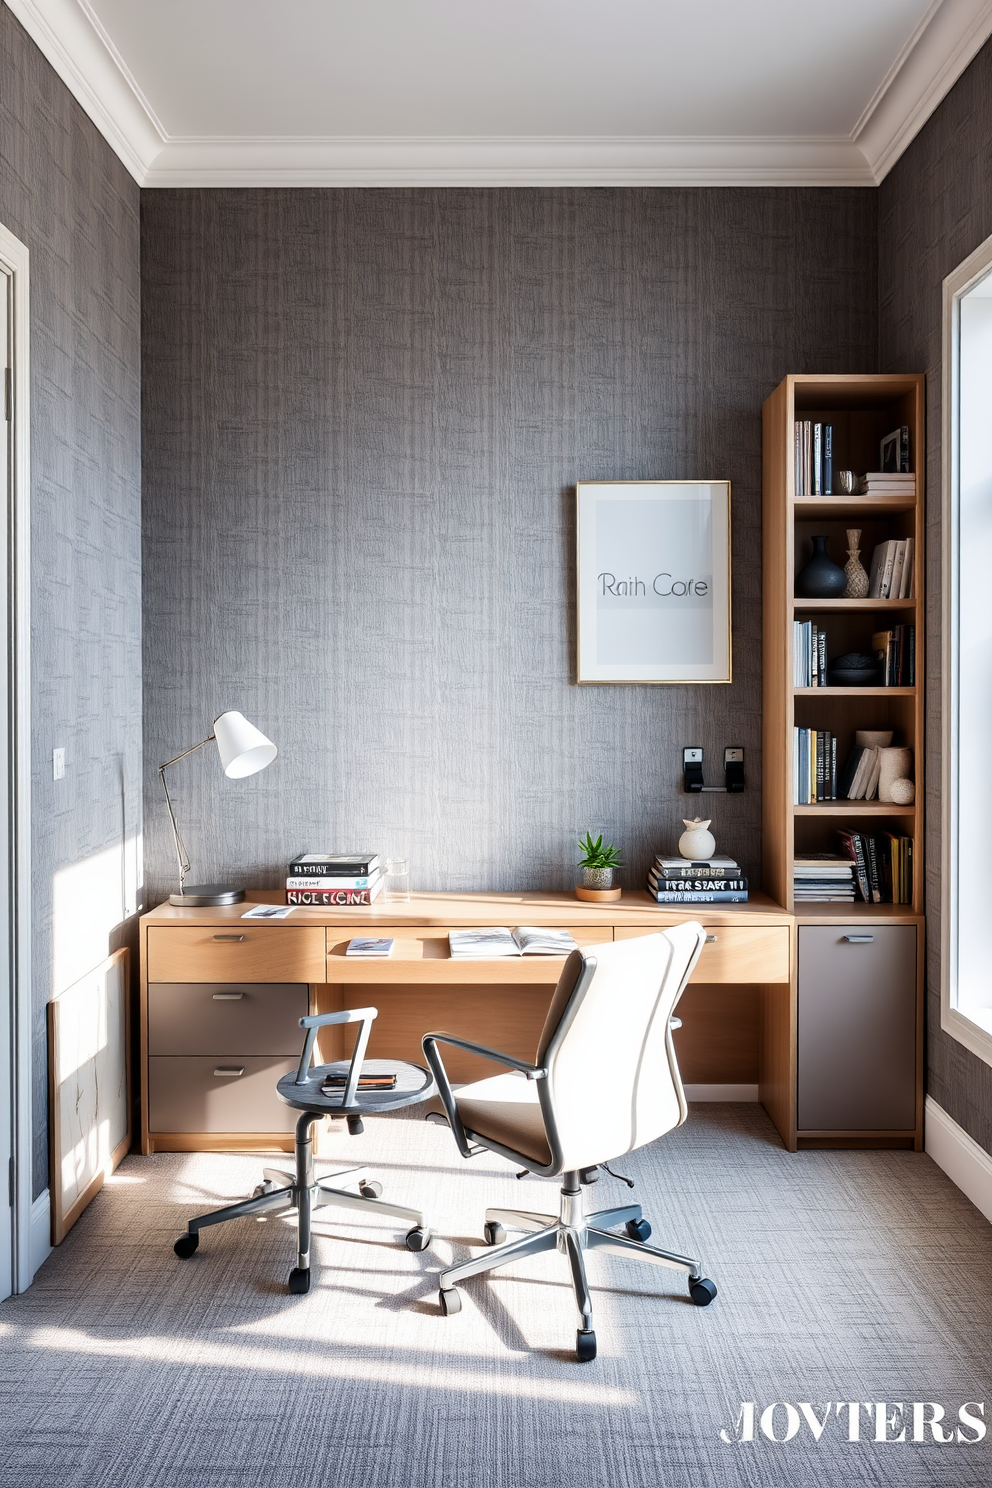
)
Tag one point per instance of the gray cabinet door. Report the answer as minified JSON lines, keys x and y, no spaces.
{"x":857,"y":1027}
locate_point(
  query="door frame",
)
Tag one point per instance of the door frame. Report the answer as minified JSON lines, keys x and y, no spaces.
{"x":14,"y":261}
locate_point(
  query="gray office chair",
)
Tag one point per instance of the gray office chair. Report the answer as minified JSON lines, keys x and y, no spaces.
{"x":280,"y":1191}
{"x":605,"y":1081}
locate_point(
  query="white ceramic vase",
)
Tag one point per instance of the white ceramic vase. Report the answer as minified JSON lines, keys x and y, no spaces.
{"x":893,"y":764}
{"x":697,"y":841}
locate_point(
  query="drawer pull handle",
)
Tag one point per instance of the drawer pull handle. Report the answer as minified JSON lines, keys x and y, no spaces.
{"x":231,"y":1071}
{"x":228,"y":996}
{"x":228,"y":937}
{"x":860,"y":939}
{"x":710,"y":939}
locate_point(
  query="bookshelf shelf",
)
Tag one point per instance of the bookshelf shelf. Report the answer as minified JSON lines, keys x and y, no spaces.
{"x":881,"y":965}
{"x":854,"y":808}
{"x":825,"y":606}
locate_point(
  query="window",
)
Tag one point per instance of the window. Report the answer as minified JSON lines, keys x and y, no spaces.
{"x":966,"y":976}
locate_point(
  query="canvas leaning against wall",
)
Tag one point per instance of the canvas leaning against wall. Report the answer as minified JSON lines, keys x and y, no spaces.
{"x":653,"y":581}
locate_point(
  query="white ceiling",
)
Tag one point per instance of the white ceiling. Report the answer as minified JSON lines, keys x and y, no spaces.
{"x":331,"y":92}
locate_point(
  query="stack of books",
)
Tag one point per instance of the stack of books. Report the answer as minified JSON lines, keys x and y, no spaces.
{"x":809,"y":654}
{"x":823,"y":877}
{"x":896,"y":650}
{"x":708,"y":881}
{"x":883,"y":866}
{"x":814,"y":458}
{"x":892,"y":565}
{"x":814,"y":766}
{"x":328,"y":879}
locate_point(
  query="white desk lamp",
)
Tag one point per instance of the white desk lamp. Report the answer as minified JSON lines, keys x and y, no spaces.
{"x":243,"y":750}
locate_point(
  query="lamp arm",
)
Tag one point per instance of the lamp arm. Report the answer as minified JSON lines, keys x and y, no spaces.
{"x":181,"y":854}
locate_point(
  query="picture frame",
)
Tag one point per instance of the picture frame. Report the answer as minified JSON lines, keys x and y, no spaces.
{"x":653,"y":581}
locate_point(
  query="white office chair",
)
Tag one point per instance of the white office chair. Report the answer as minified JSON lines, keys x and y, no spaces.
{"x":605,"y":1081}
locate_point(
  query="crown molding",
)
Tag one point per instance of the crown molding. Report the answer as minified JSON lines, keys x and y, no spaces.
{"x":511,"y":161}
{"x":95,"y":75}
{"x":85,"y":58}
{"x":949,"y":37}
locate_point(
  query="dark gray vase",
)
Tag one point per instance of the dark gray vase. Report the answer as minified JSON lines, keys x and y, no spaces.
{"x":822,"y":578}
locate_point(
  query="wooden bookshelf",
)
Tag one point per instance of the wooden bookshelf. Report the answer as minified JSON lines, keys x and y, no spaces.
{"x":862,"y":409}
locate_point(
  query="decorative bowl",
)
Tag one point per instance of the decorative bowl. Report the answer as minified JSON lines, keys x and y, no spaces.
{"x":854,"y":669}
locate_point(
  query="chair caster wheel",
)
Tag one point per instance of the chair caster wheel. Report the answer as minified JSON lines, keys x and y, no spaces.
{"x":451,"y":1300}
{"x":639,"y":1230}
{"x":418,"y":1238}
{"x":299,"y":1281}
{"x":702,"y":1291}
{"x":585,"y":1346}
{"x":494,"y":1233}
{"x":185,"y":1246}
{"x":370,"y":1190}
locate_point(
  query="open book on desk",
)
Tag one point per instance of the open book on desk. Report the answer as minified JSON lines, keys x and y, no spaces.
{"x":488,"y":941}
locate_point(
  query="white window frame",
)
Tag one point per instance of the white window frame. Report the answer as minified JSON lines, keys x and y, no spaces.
{"x":953,"y":1018}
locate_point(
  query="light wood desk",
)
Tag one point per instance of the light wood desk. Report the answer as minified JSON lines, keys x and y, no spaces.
{"x":220,"y":999}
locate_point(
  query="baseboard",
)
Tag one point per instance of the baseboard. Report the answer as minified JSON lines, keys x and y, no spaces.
{"x":41,"y":1232}
{"x":721,"y":1092}
{"x":967,"y":1164}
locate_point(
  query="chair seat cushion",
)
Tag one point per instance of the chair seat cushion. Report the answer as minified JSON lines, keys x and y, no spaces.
{"x":505,"y":1109}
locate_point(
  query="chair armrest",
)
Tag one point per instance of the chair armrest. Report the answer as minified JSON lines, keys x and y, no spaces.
{"x":430,"y":1042}
{"x":366,"y":1017}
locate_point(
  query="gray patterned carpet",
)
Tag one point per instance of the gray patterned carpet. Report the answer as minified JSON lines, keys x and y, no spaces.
{"x":843,"y":1277}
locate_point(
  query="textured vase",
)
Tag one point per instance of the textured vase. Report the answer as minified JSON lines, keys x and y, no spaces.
{"x":893,"y":764}
{"x":857,"y":578}
{"x":822,"y":578}
{"x":597,"y":878}
{"x":697,"y":841}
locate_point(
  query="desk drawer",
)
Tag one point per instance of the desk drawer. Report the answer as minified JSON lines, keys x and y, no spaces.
{"x":737,"y":953}
{"x":185,"y":1095}
{"x":242,"y":953}
{"x":245,"y":1018}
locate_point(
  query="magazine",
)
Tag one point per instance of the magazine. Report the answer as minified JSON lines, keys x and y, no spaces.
{"x":488,"y":941}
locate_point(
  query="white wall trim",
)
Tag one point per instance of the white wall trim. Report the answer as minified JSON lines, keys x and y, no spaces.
{"x":511,"y":161}
{"x":947,"y":39}
{"x":73,"y":39}
{"x":967,"y":1164}
{"x":41,"y":1232}
{"x":721,"y":1092}
{"x":14,"y":255}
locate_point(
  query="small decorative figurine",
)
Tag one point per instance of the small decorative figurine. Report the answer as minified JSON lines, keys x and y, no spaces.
{"x":697,"y":841}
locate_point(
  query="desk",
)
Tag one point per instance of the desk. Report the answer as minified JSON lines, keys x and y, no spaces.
{"x":221,"y":996}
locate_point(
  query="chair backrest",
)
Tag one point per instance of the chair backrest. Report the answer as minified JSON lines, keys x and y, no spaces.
{"x":613,"y":1081}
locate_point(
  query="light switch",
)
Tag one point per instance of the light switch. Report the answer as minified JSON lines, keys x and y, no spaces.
{"x":58,"y":764}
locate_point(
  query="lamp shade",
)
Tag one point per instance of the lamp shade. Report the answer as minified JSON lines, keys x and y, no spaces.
{"x":244,"y":749}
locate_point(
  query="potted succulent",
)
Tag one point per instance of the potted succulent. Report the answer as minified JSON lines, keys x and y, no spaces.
{"x":598,"y":862}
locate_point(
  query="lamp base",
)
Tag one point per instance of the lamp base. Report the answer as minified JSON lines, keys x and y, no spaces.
{"x":201,"y":896}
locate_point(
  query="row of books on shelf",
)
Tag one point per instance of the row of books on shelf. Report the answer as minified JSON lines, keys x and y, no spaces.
{"x":814,"y":457}
{"x":896,"y":652}
{"x":814,"y":766}
{"x":877,"y":869}
{"x":718,"y":880}
{"x":328,"y":879}
{"x":891,"y":575}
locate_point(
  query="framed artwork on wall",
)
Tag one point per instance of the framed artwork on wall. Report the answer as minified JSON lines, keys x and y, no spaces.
{"x":653,"y":581}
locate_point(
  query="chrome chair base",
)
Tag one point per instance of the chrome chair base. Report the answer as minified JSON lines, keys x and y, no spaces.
{"x":572,"y":1232}
{"x":280,"y":1192}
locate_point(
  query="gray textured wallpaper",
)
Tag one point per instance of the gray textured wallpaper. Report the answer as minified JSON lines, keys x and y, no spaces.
{"x":364,"y":414}
{"x":65,"y":194}
{"x":934,"y":209}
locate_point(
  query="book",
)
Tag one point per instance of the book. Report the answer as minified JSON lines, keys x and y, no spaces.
{"x":817,"y":471}
{"x":719,"y":867}
{"x":333,"y":881}
{"x":880,"y":578}
{"x":855,"y":850}
{"x":331,"y":898}
{"x":828,"y":460}
{"x":332,"y":1084}
{"x":699,"y":896}
{"x":693,"y":885}
{"x":350,"y":865}
{"x":367,"y":945}
{"x":893,"y":454}
{"x":267,"y":912}
{"x":907,"y":588}
{"x":488,"y":941}
{"x":898,"y":564}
